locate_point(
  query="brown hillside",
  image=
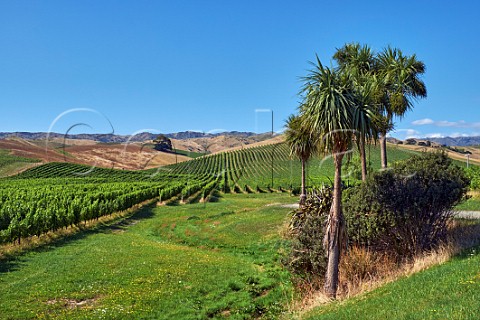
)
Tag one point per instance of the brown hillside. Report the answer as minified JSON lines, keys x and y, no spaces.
{"x":220,"y":143}
{"x":131,"y":157}
{"x":277,"y":139}
{"x":27,"y":149}
{"x":474,"y":157}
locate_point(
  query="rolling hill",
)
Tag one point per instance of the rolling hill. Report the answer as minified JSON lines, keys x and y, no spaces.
{"x":113,"y":151}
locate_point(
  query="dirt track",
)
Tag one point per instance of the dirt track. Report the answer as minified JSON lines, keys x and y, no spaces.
{"x":468,"y":214}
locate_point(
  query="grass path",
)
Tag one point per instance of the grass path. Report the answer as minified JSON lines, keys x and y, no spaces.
{"x":171,"y":262}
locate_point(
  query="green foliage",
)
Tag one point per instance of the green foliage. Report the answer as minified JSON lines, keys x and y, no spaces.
{"x":352,"y":168}
{"x":405,"y":210}
{"x":470,"y":204}
{"x":56,"y":195}
{"x":299,"y":139}
{"x":307,"y":255}
{"x":34,"y":207}
{"x":56,"y":170}
{"x":473,"y":173}
{"x":457,"y":149}
{"x":252,"y":167}
{"x":402,"y":212}
{"x":249,"y":169}
{"x":162,"y":143}
{"x":171,"y":191}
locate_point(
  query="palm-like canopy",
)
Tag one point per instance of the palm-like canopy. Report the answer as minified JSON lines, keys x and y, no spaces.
{"x":401,"y":84}
{"x":302,"y":145}
{"x":300,"y":140}
{"x":335,"y":109}
{"x":359,"y":65}
{"x":355,"y":60}
{"x":401,"y":79}
{"x":328,"y":107}
{"x":365,"y":119}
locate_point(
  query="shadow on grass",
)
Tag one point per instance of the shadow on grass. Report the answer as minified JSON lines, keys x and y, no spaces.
{"x":215,"y":196}
{"x":174,"y":203}
{"x":11,"y":261}
{"x":465,"y":237}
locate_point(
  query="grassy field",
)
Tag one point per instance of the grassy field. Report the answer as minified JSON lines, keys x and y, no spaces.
{"x":190,"y":154}
{"x":170,"y":262}
{"x":10,"y":164}
{"x":448,"y":291}
{"x":469,"y":205}
{"x":472,"y":204}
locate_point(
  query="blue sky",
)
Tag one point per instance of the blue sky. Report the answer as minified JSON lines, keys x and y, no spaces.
{"x":167,"y":66}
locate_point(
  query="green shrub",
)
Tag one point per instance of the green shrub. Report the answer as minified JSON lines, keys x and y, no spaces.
{"x":404,"y":211}
{"x":398,"y":213}
{"x":307,"y":257}
{"x":352,"y":168}
{"x":473,"y":173}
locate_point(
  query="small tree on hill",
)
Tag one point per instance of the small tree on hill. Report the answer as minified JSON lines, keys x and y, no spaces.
{"x":162,"y":143}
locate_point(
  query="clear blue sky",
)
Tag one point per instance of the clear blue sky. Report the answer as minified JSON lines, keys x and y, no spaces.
{"x":205,"y":65}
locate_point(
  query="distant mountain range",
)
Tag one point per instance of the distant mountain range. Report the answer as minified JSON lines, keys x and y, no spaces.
{"x":146,"y":136}
{"x":447,"y":141}
{"x":459,"y":141}
{"x":113,"y":138}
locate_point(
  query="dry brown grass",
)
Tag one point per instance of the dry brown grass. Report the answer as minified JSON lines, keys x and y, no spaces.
{"x":131,"y":156}
{"x":134,"y":156}
{"x":274,"y":140}
{"x":474,"y":193}
{"x":474,"y":157}
{"x":362,"y":270}
{"x":222,"y":143}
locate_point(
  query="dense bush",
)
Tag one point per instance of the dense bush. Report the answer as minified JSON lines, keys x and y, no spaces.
{"x":473,"y":173}
{"x":396,"y":213}
{"x":307,"y":256}
{"x":404,"y":211}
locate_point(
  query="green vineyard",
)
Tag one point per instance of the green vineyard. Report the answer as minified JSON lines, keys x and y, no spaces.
{"x":270,"y":168}
{"x":56,"y":195}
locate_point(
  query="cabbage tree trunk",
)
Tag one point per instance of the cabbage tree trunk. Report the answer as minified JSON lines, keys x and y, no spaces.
{"x":303,"y":193}
{"x":363,"y":158}
{"x":334,"y":232}
{"x":383,"y":149}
